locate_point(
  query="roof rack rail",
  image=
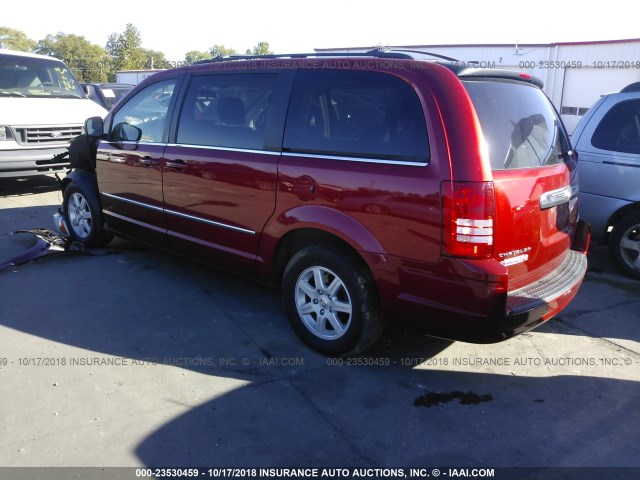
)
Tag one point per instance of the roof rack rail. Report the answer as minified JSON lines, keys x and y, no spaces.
{"x":430,"y":54}
{"x":376,"y":52}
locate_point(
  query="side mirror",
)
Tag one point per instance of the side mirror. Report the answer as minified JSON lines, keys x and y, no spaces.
{"x":93,"y":127}
{"x":123,"y":132}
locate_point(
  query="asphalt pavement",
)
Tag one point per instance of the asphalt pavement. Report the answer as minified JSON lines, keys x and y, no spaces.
{"x":130,"y":357}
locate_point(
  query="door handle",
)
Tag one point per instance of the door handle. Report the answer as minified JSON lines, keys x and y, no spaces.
{"x":176,"y":164}
{"x":148,"y":162}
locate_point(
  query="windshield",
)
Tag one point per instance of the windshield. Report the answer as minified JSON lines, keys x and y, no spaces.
{"x":35,"y":77}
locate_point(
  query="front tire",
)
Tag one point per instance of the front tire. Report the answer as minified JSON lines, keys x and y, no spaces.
{"x":624,"y":244}
{"x":84,"y":218}
{"x":331,"y":300}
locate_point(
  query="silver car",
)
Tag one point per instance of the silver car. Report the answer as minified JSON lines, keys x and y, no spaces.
{"x":607,"y":140}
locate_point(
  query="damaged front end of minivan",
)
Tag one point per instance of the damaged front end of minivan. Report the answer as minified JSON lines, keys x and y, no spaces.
{"x":82,"y":156}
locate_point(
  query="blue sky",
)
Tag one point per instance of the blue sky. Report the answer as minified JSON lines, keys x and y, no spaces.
{"x":177,"y":27}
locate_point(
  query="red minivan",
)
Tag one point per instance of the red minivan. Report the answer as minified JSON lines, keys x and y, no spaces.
{"x":373,"y":188}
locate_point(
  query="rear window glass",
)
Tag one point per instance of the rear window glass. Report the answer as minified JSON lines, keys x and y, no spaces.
{"x":356,"y":114}
{"x":520,"y":126}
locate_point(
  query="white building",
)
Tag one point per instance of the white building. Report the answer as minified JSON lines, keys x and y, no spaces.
{"x":575,"y":74}
{"x":134,"y":77}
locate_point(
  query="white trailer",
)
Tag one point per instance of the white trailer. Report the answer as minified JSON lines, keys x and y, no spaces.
{"x":133,"y":77}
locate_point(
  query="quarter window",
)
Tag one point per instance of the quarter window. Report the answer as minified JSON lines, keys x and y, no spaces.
{"x":619,"y":130}
{"x":356,"y":114}
{"x":147,"y":111}
{"x":226,"y":110}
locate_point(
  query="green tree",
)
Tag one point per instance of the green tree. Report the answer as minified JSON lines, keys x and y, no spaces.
{"x":126,"y":49}
{"x":221,"y":51}
{"x":195,"y":55}
{"x":156,"y":60}
{"x":88,"y":62}
{"x":16,"y":40}
{"x":262,"y":48}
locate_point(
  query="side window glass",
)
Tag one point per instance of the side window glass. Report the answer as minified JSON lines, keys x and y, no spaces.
{"x":226,"y":110}
{"x":147,"y":111}
{"x":356,"y":114}
{"x":619,"y":130}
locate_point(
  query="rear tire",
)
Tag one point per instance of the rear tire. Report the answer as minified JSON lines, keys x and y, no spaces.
{"x":624,"y":244}
{"x":84,"y":218}
{"x":331,"y":300}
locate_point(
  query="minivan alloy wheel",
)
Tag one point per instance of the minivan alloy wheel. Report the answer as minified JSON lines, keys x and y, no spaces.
{"x":80,"y":215}
{"x":331,"y":300}
{"x":323,"y":303}
{"x":83,"y":217}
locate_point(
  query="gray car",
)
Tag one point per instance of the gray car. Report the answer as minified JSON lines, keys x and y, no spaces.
{"x":607,"y":140}
{"x":106,"y":94}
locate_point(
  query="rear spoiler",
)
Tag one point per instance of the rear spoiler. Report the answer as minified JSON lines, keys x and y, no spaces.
{"x":492,"y":73}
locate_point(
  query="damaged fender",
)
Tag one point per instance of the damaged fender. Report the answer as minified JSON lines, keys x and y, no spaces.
{"x":47,"y":243}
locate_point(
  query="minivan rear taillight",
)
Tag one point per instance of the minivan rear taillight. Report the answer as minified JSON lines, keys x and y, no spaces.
{"x":468,"y":214}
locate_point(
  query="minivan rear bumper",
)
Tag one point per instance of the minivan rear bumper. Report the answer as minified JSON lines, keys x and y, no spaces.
{"x":536,"y":303}
{"x":514,"y":312}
